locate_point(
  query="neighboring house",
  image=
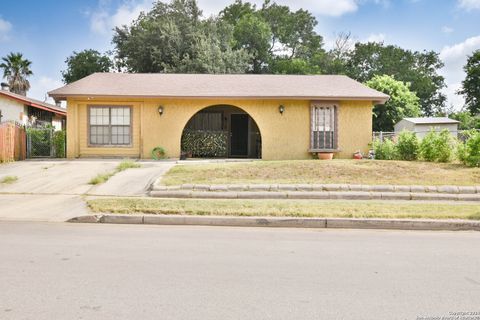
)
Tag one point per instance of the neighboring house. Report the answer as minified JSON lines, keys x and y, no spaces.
{"x":254,"y":116}
{"x":421,"y":126}
{"x":28,"y":111}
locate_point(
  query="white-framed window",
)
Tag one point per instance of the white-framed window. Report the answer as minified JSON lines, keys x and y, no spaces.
{"x":110,"y":125}
{"x":323,"y":135}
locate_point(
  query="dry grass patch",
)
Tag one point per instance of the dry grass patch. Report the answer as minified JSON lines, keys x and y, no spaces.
{"x":335,"y":171}
{"x":9,"y":179}
{"x":288,"y":208}
{"x":103,"y":177}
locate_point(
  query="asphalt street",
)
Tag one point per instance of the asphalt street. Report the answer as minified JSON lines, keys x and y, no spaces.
{"x":82,"y":271}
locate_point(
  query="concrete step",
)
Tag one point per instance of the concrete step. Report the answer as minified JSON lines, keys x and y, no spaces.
{"x":446,"y":189}
{"x":319,"y":195}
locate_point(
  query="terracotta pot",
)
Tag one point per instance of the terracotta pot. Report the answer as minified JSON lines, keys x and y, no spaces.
{"x":357,"y":156}
{"x":325,"y":155}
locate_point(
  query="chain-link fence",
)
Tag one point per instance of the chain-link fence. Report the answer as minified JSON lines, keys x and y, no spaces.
{"x":462,"y":135}
{"x":45,"y":143}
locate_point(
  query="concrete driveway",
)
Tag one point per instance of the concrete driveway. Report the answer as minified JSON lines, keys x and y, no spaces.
{"x":54,"y":190}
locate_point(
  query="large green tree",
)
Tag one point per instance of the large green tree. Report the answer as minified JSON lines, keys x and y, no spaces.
{"x":172,"y":37}
{"x":84,"y":63}
{"x":402,"y":103}
{"x":467,"y":120}
{"x":471,"y":84}
{"x":253,"y":34}
{"x":16,"y":70}
{"x":420,"y":69}
{"x":280,"y":40}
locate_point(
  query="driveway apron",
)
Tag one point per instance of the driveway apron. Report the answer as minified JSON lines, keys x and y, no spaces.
{"x":55,"y":190}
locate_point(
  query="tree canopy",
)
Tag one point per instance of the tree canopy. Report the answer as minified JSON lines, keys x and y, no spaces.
{"x":173,"y":38}
{"x":84,"y":63}
{"x":279,"y":40}
{"x":403,"y":102}
{"x":16,"y":70}
{"x":420,"y":69}
{"x":272,"y":38}
{"x":471,"y":85}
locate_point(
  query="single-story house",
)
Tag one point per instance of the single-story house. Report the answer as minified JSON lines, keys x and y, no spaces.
{"x":250,"y":116}
{"x":27,"y":111}
{"x":422,"y":126}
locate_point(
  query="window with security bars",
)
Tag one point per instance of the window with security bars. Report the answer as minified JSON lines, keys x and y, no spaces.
{"x":110,"y":125}
{"x":323,"y":127}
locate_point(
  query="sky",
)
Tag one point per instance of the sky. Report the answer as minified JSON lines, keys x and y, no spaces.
{"x":48,"y":31}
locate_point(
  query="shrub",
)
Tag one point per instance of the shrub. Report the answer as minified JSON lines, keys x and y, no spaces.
{"x":40,"y":141}
{"x":205,"y":143}
{"x":437,"y":146}
{"x":384,"y":150}
{"x":59,"y":143}
{"x":407,"y":146}
{"x":469,"y":152}
{"x":427,"y":146}
{"x":445,"y":146}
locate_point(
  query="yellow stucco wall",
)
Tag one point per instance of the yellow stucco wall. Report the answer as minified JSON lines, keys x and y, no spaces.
{"x":354,"y":127}
{"x":284,"y":136}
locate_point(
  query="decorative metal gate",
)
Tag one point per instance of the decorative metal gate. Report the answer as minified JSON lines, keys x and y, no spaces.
{"x":45,"y":143}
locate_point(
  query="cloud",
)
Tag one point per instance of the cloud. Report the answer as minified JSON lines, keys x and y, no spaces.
{"x":102,"y":21}
{"x":39,"y":86}
{"x":455,"y":57}
{"x":5,"y":28}
{"x":469,"y":4}
{"x":332,"y":8}
{"x":375,"y":37}
{"x":447,"y":30}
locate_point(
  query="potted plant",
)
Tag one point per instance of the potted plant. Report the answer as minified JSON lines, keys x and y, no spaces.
{"x":158,"y":153}
{"x":325,"y":155}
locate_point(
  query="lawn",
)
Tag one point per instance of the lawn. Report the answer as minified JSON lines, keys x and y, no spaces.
{"x":335,"y":171}
{"x":288,"y":208}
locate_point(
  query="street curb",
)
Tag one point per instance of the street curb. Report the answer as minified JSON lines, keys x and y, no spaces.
{"x":283,"y":222}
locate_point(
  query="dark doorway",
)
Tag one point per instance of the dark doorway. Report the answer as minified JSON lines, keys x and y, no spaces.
{"x":239,"y":135}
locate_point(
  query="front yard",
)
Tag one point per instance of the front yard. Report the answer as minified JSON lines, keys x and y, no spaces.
{"x":288,"y":208}
{"x":335,"y":171}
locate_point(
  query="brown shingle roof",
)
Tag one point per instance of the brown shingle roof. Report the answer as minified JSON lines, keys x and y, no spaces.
{"x":155,"y":85}
{"x":34,"y":102}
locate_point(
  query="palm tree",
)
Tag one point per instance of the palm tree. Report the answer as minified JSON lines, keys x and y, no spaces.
{"x":16,"y":70}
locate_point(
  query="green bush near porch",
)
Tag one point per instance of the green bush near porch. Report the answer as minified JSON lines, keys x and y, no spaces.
{"x":205,"y":143}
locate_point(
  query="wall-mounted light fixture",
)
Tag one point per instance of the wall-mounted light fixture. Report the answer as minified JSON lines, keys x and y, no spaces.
{"x":281,"y":109}
{"x":160,"y":110}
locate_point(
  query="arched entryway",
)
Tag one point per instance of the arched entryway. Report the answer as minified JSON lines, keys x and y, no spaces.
{"x":221,"y":131}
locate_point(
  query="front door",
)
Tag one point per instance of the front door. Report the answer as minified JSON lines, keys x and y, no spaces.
{"x":239,"y":135}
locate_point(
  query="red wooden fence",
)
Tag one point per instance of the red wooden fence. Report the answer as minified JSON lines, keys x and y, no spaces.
{"x":12,"y":142}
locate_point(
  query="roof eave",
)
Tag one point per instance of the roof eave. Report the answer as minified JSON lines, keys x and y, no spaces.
{"x":375,"y":100}
{"x":36,"y":105}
